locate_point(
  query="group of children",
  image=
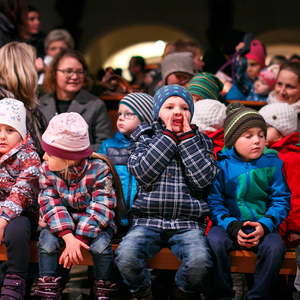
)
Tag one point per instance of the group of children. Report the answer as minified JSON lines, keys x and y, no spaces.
{"x":171,"y":182}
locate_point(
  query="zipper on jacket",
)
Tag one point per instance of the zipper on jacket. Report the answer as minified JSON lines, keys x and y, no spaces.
{"x":246,"y":192}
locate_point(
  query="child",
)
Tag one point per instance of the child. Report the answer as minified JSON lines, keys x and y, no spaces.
{"x":264,"y":84}
{"x":19,"y":173}
{"x":77,"y":202}
{"x":173,"y":165}
{"x":248,"y":200}
{"x":209,"y":117}
{"x":205,"y":86}
{"x":177,"y":68}
{"x":282,"y":136}
{"x":134,"y":109}
{"x":246,"y":69}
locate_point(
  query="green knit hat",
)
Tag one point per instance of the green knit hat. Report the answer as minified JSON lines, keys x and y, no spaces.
{"x":205,"y":85}
{"x":238,"y":120}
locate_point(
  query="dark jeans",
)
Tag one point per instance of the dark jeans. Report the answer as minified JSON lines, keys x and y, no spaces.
{"x":270,"y":254}
{"x":100,"y":248}
{"x":17,"y":240}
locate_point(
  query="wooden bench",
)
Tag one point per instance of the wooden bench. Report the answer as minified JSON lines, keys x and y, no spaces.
{"x":252,"y":104}
{"x":242,"y":261}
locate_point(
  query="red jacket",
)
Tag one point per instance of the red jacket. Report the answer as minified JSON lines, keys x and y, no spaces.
{"x":218,"y":139}
{"x":290,"y":154}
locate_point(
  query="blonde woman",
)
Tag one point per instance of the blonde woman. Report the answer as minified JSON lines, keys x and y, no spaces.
{"x":18,"y":80}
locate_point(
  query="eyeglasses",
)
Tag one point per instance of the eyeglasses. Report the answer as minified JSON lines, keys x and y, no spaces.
{"x":70,"y":72}
{"x":127,"y":115}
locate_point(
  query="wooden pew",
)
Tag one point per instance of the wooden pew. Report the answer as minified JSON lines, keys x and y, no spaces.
{"x":253,"y":104}
{"x":242,"y":261}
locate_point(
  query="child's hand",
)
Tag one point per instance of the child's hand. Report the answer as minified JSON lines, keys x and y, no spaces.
{"x":72,"y":253}
{"x":169,"y":123}
{"x":186,"y":122}
{"x":252,"y":239}
{"x":3,"y":224}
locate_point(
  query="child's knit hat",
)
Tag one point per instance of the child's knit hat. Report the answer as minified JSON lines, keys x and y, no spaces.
{"x":168,"y":91}
{"x":141,"y":104}
{"x":209,"y":115}
{"x":257,"y":52}
{"x":205,"y":85}
{"x":269,"y":75}
{"x":238,"y":120}
{"x":67,"y":137}
{"x":177,"y":62}
{"x":13,"y":113}
{"x":281,"y":116}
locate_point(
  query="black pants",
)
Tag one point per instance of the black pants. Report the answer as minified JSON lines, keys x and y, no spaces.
{"x":17,"y":240}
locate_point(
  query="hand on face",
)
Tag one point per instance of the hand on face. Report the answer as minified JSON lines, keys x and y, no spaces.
{"x":176,"y":115}
{"x":178,"y":123}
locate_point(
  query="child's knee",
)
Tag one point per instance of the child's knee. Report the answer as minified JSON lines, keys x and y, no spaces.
{"x":48,"y":242}
{"x":125,"y":258}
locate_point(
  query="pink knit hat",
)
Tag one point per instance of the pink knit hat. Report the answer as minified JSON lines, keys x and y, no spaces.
{"x":67,"y":137}
{"x":269,"y":75}
{"x":257,"y":52}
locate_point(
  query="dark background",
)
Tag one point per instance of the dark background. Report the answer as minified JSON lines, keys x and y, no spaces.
{"x":102,"y":28}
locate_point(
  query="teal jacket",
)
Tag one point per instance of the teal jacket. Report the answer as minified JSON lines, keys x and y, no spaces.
{"x":249,"y":191}
{"x":116,"y":149}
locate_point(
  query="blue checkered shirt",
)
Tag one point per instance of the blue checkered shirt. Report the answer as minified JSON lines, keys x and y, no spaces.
{"x":173,"y":175}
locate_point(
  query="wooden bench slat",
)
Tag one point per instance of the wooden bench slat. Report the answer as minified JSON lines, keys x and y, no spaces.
{"x":242,"y":261}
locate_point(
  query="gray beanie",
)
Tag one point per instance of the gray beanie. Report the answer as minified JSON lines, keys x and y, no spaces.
{"x":177,"y":62}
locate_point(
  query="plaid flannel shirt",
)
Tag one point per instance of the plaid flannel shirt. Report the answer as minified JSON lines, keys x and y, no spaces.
{"x":173,"y":173}
{"x":84,"y":205}
{"x":19,"y":175}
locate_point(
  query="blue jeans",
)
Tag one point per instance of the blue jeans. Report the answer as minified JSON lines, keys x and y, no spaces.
{"x":270,"y":254}
{"x":141,"y":243}
{"x":100,"y":248}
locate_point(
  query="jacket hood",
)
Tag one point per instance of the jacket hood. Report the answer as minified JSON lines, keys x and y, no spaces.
{"x":231,"y":152}
{"x":288,"y":143}
{"x":26,"y":143}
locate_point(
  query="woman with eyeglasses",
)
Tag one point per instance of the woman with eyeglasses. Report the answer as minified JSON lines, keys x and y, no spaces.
{"x":65,"y":83}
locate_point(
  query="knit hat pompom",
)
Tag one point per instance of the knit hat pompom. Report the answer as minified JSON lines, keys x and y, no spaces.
{"x":238,"y":120}
{"x":206,"y":85}
{"x":67,"y":137}
{"x":13,"y":113}
{"x":168,"y":91}
{"x":141,"y":104}
{"x":232,"y":107}
{"x":209,"y":115}
{"x":281,"y":116}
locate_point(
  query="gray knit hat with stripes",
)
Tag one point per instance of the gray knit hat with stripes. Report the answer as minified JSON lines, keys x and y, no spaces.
{"x":238,"y":120}
{"x":141,"y":104}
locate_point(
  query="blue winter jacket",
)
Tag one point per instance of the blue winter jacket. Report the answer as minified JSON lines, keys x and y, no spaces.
{"x":249,"y":190}
{"x":116,"y":149}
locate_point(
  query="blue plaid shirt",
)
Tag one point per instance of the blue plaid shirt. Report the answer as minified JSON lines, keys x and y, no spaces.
{"x":173,"y":173}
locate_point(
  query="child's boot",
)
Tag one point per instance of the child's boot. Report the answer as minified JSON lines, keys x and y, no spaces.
{"x":178,"y":294}
{"x":48,"y":288}
{"x":13,"y":287}
{"x":105,"y":290}
{"x":144,"y":294}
